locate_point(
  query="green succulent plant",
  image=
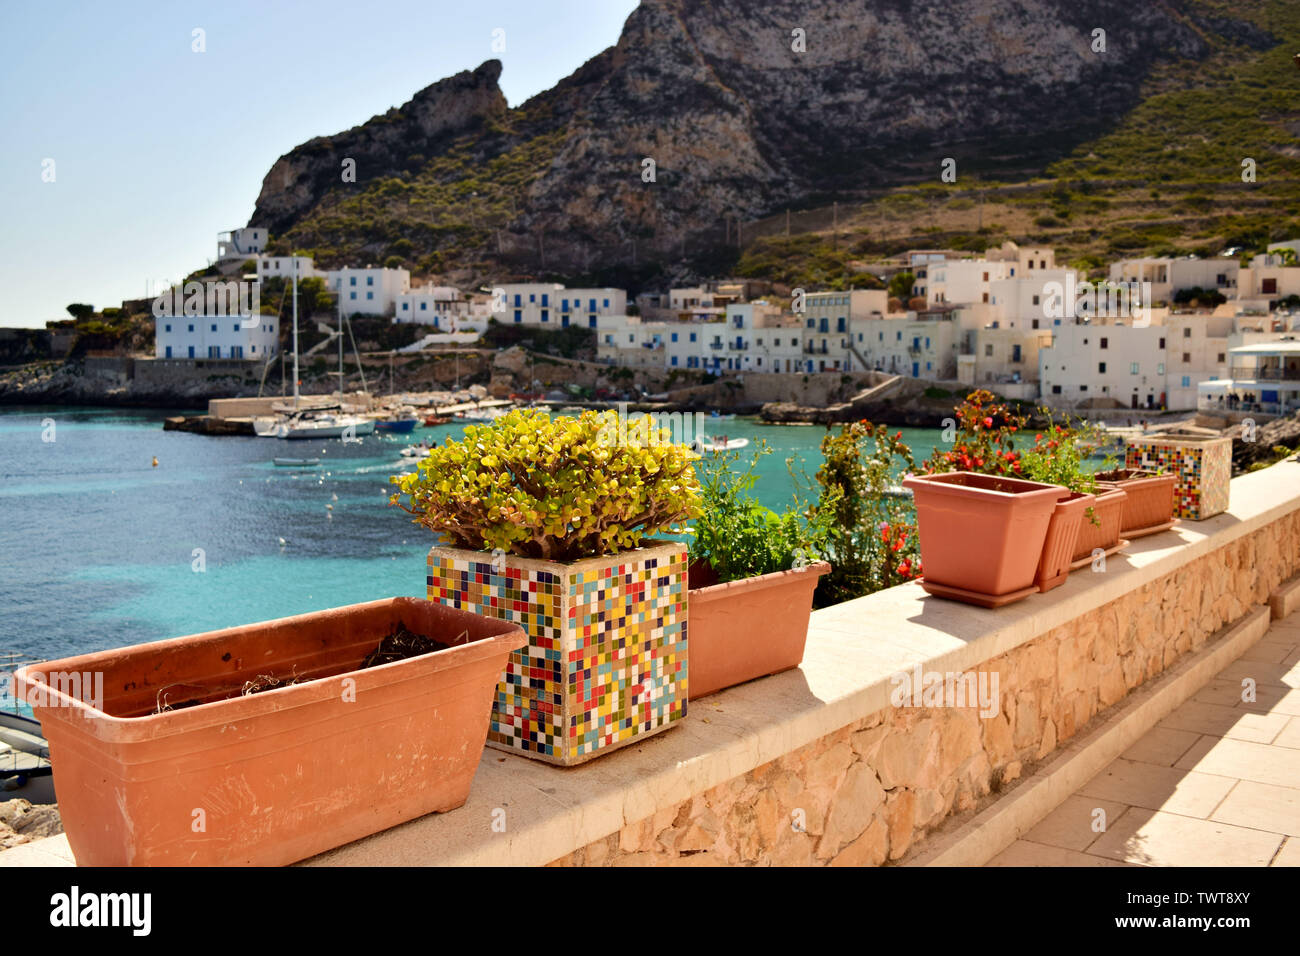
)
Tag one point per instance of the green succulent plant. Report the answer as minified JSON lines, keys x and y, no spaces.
{"x":559,"y":489}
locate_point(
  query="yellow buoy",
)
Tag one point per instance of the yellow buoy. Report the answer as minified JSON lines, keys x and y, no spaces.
{"x":155,"y":461}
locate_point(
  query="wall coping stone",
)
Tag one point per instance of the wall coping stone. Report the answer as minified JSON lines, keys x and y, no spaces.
{"x":853,"y":650}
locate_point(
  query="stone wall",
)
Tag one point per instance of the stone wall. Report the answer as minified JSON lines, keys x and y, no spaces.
{"x":868,"y":793}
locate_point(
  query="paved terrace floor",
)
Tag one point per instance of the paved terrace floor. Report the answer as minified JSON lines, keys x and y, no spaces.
{"x":1216,"y":783}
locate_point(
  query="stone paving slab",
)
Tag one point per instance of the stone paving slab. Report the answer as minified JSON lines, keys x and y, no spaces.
{"x":1216,"y":783}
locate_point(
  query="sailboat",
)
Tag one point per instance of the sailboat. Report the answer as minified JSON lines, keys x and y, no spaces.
{"x":403,"y":420}
{"x":296,"y":422}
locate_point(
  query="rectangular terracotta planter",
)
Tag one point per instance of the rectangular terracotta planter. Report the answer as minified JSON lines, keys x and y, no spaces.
{"x":605,"y":664}
{"x":981,"y":536}
{"x":277,"y":776}
{"x":1104,"y":533}
{"x":1150,"y":503}
{"x":1201,"y":466}
{"x":742,"y":630}
{"x":1062,"y":537}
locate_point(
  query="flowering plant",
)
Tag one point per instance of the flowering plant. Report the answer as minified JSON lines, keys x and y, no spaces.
{"x":984,"y":439}
{"x":872,"y":541}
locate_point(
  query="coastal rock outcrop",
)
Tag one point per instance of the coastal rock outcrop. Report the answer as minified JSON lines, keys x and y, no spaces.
{"x":732,"y":109}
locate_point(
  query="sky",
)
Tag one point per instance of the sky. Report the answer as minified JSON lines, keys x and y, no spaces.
{"x":156,"y":148}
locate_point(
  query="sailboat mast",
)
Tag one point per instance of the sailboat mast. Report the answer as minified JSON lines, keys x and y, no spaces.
{"x":295,"y":333}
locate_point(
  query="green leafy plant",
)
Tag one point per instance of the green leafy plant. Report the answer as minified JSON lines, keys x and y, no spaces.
{"x":871,"y":538}
{"x":557,"y":489}
{"x":736,"y":535}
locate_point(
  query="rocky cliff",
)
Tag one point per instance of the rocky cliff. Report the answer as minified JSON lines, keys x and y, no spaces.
{"x":745,"y":107}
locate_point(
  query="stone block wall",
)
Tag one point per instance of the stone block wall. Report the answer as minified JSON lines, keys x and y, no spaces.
{"x":868,"y":793}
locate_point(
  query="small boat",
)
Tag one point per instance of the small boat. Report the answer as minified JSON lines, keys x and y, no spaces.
{"x":25,"y":769}
{"x":297,"y":462}
{"x":432,"y":420}
{"x":716,"y":416}
{"x":720,"y":443}
{"x":416,"y":451}
{"x":330,"y":426}
{"x":398,"y":426}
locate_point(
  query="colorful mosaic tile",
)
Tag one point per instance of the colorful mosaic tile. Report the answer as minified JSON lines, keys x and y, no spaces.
{"x":607,"y":655}
{"x":1203,"y":469}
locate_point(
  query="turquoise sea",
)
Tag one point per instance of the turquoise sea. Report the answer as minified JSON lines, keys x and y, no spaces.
{"x":101,"y":549}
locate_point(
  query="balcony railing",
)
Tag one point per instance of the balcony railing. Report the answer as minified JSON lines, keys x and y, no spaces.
{"x":1268,"y":374}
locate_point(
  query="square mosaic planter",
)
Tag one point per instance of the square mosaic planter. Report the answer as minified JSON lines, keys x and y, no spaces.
{"x":1202,"y":468}
{"x":605,"y":664}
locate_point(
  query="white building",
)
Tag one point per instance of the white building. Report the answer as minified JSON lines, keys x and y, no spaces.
{"x":920,"y":345}
{"x":283,"y":267}
{"x":1265,"y":377}
{"x":1170,"y":276}
{"x":242,"y":243}
{"x":251,"y":337}
{"x":368,"y":291}
{"x":551,"y":305}
{"x":1119,"y":363}
{"x":439,"y":306}
{"x":1267,"y":277}
{"x":827,"y":327}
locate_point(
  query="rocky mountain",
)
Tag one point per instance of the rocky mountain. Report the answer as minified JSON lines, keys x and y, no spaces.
{"x":746,"y":108}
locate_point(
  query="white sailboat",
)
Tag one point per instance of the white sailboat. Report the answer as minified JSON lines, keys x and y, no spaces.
{"x":296,"y":422}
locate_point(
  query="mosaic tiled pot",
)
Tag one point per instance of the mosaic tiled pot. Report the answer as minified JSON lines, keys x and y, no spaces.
{"x":1202,"y":468}
{"x":605,"y":664}
{"x":169,"y":764}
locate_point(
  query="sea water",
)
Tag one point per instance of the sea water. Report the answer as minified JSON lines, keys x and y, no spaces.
{"x":99,"y":548}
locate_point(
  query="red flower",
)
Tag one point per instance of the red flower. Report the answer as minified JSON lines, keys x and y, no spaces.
{"x":988,"y":423}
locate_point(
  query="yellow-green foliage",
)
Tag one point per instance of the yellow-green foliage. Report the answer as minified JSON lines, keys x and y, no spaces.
{"x":557,"y":489}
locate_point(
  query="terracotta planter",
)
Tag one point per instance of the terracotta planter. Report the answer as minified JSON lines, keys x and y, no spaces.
{"x":1104,"y":533}
{"x":605,"y":664}
{"x":272,"y":777}
{"x":1150,"y":503}
{"x":1201,"y":466}
{"x":750,"y":628}
{"x":1061,"y":540}
{"x":981,"y":536}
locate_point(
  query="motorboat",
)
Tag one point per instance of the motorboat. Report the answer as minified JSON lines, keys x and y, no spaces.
{"x":431,"y":420}
{"x":25,"y":769}
{"x":297,"y":462}
{"x":718,"y":444}
{"x":398,"y":426}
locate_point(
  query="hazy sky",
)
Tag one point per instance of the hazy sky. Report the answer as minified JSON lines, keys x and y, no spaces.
{"x":157,"y":148}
